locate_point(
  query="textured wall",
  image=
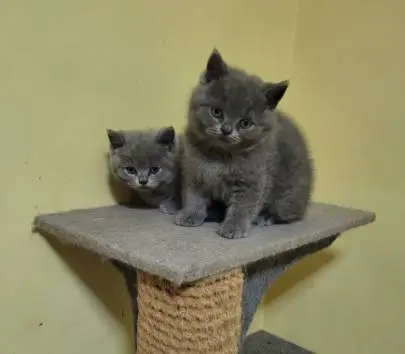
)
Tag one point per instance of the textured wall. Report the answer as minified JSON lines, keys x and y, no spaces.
{"x":69,"y":70}
{"x":347,"y":91}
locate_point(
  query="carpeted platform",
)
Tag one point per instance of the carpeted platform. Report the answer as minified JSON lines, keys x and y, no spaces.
{"x":193,"y":291}
{"x":150,"y":241}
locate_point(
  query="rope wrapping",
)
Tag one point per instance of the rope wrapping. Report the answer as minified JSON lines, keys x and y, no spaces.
{"x":202,"y":317}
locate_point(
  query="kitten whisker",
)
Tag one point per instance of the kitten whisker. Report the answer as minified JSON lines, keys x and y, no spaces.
{"x":213,"y":131}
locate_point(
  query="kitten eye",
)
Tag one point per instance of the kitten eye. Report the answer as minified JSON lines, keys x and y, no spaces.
{"x":245,"y":123}
{"x":131,"y":170}
{"x":217,"y":113}
{"x":153,"y":170}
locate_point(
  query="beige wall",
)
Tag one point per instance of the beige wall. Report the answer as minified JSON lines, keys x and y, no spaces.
{"x":347,"y":91}
{"x":69,"y":70}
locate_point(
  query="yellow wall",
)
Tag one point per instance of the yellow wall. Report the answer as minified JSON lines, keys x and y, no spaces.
{"x":347,"y":91}
{"x":69,"y":69}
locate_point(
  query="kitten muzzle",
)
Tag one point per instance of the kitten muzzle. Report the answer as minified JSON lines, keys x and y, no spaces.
{"x":226,"y":129}
{"x":143,"y":181}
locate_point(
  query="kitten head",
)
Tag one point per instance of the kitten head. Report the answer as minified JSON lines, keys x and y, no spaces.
{"x":231,"y":108}
{"x":143,"y":160}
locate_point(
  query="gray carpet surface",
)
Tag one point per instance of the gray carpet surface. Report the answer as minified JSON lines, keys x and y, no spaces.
{"x":149,"y":240}
{"x":130,"y":276}
{"x":261,"y":274}
{"x":265,"y":343}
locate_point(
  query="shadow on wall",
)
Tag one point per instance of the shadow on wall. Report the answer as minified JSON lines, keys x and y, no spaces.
{"x":105,"y":282}
{"x":299,"y":274}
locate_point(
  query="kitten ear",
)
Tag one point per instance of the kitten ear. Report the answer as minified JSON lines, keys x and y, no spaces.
{"x":216,"y":67}
{"x":274,"y":92}
{"x":117,"y":139}
{"x":166,"y":136}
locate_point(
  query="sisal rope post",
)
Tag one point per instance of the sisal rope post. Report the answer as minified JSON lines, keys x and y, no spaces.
{"x":203,"y":317}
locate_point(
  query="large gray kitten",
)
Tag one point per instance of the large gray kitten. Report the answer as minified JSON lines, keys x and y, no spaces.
{"x":146,"y":161}
{"x":239,"y":149}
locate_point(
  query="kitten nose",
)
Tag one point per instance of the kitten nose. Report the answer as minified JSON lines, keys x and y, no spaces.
{"x":143,"y":181}
{"x":226,"y":129}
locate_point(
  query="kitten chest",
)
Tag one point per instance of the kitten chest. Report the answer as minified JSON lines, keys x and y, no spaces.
{"x":217,"y":176}
{"x":212,"y":177}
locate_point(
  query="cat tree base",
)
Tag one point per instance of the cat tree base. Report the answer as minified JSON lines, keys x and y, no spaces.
{"x":202,"y":317}
{"x":193,"y":292}
{"x":211,"y":315}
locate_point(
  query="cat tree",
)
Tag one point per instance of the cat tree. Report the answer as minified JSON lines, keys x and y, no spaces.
{"x":192,"y":291}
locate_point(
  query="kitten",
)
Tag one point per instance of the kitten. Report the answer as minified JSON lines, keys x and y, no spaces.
{"x":146,"y":161}
{"x":239,"y":149}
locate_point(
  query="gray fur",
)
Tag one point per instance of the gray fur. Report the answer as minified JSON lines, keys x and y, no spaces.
{"x":142,"y":149}
{"x":148,"y":156}
{"x":262,"y":172}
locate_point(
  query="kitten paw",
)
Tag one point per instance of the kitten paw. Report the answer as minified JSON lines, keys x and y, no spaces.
{"x":262,"y":220}
{"x":168,"y":207}
{"x":189,"y":220}
{"x":232,"y":230}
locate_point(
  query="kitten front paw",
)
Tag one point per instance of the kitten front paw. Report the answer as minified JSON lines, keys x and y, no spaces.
{"x":168,"y":206}
{"x":233,"y":230}
{"x":184,"y":218}
{"x":263,"y":220}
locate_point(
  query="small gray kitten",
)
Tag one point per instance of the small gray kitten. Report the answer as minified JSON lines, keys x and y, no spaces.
{"x":146,"y":161}
{"x":240,"y":150}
